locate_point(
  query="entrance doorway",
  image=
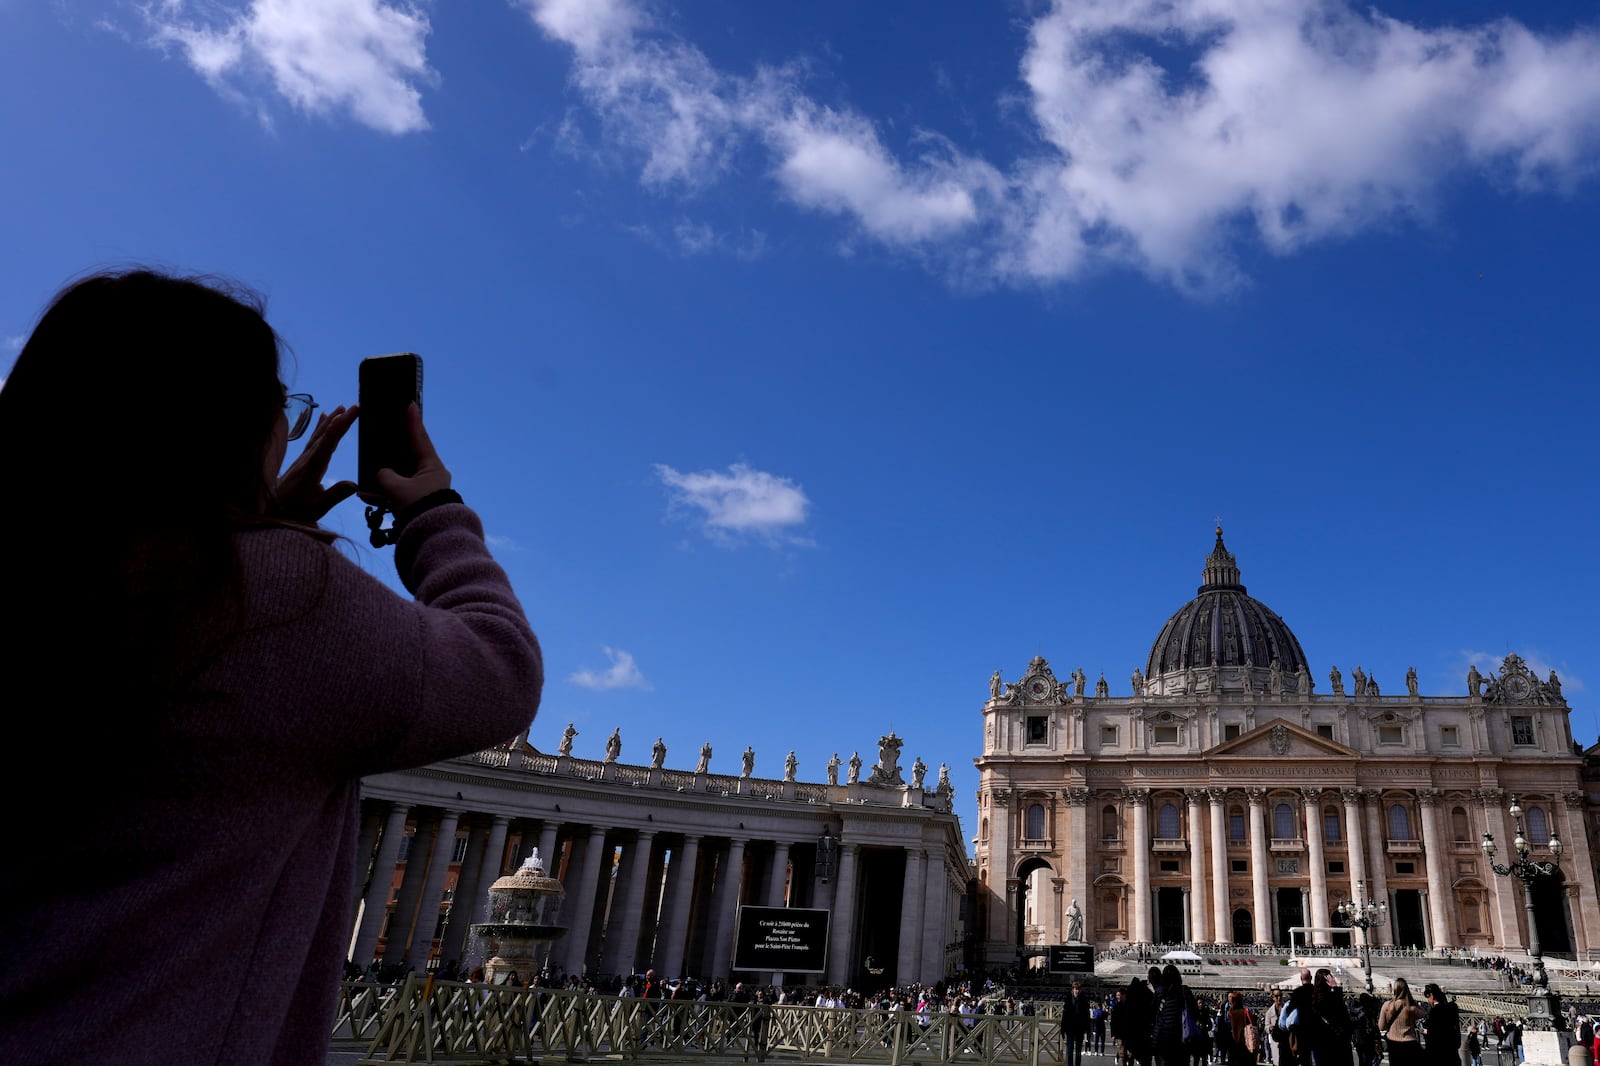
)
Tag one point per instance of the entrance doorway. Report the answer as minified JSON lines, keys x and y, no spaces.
{"x":1410,"y":924}
{"x":1550,"y":914}
{"x":1169,"y":915}
{"x":1244,"y":927}
{"x":1290,"y":912}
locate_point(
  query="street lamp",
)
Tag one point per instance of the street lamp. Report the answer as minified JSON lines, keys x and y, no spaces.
{"x":1544,"y":1006}
{"x":827,"y":854}
{"x":1363,"y":915}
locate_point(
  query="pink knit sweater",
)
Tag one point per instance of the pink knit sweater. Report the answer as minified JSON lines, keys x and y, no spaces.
{"x":200,"y":909}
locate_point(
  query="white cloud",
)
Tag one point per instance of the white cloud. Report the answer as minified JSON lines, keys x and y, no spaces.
{"x":364,"y":58}
{"x":622,"y":673}
{"x":1166,"y":131}
{"x":739,"y":503}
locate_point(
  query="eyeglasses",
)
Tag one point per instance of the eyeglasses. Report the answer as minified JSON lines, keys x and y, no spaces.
{"x":297,"y":408}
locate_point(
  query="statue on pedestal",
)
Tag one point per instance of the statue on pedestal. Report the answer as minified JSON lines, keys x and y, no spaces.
{"x":614,"y":745}
{"x":705,"y":759}
{"x":994,"y":685}
{"x":658,"y":754}
{"x":833,"y":769}
{"x":749,"y":761}
{"x":1138,"y":681}
{"x":1074,"y":923}
{"x":855,"y":767}
{"x":1336,"y":679}
{"x":565,"y":747}
{"x":790,"y":765}
{"x":919,"y":770}
{"x":1474,"y":681}
{"x":1411,"y":680}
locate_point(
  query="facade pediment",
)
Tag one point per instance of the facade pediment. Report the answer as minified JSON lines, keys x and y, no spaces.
{"x":1282,"y":740}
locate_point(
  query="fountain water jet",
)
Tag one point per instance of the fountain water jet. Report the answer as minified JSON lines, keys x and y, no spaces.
{"x":524,"y":915}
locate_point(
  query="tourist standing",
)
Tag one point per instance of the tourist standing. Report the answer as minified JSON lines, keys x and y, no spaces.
{"x":1398,"y":1022}
{"x":1075,"y":1023}
{"x":1441,"y":1028}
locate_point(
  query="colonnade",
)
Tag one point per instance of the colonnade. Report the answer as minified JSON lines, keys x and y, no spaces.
{"x":636,"y":897}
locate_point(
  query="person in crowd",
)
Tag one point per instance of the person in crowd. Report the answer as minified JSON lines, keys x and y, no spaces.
{"x":1398,"y":1021}
{"x":247,"y":674}
{"x":1474,"y":1046}
{"x":1441,"y":1028}
{"x":1075,"y":1023}
{"x":1365,"y":1035}
{"x":1240,"y":1052}
{"x":1330,"y":1033}
{"x":1097,"y":1025}
{"x":1277,"y":1050}
{"x":1172,"y":999}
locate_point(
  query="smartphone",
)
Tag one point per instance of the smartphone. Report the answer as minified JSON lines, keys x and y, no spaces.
{"x":388,"y":385}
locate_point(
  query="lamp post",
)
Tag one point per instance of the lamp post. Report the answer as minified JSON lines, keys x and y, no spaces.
{"x":1363,"y":915}
{"x":1544,"y":1006}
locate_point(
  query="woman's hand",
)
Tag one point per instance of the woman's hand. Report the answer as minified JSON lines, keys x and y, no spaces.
{"x":431,"y":476}
{"x":299,"y":494}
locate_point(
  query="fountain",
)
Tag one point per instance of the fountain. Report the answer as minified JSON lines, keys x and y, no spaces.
{"x":524,"y":914}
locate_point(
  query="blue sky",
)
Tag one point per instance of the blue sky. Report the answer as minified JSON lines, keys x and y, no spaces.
{"x":808,"y":363}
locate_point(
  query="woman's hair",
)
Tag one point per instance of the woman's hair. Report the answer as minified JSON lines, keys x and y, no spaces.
{"x":136,"y":423}
{"x":1402,"y":990}
{"x":1170,"y":975}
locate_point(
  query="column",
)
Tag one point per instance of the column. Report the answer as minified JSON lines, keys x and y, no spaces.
{"x":444,"y":848}
{"x":580,"y":901}
{"x":841,"y":932}
{"x":1197,"y":875}
{"x":468,"y":897}
{"x":775,"y":890}
{"x":621,"y":948}
{"x":730,"y":882}
{"x":1221,"y":917}
{"x":1260,"y":898}
{"x":1002,"y":852}
{"x":1378,"y":867}
{"x":670,"y":941}
{"x":1506,"y":905}
{"x":1079,"y":838}
{"x":380,"y":885}
{"x":936,"y":925}
{"x":402,"y":927}
{"x":1138,"y":800}
{"x":371,"y":822}
{"x":1438,"y":882}
{"x":1318,"y":864}
{"x":1585,"y":913}
{"x":547,"y":849}
{"x":910,"y":919}
{"x":1354,"y":830}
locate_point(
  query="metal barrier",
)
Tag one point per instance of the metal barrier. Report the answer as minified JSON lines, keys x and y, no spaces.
{"x":427,"y":1020}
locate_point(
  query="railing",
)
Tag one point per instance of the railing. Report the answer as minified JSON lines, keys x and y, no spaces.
{"x":427,"y":1020}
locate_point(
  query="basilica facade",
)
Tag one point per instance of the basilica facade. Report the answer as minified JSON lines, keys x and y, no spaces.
{"x":1233,"y":798}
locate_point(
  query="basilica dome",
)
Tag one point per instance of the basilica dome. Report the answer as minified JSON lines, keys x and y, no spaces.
{"x":1223,"y":639}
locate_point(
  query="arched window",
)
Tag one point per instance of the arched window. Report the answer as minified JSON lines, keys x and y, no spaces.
{"x":1236,"y":823}
{"x":1283,"y":822}
{"x":1035,"y":821}
{"x":1538,"y":826}
{"x":1110,"y":824}
{"x":983,"y":829}
{"x":1330,"y":823}
{"x":1168,"y":826}
{"x":1399,"y":822}
{"x":1458,"y":824}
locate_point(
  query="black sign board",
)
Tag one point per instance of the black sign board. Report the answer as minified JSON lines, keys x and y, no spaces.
{"x":787,"y":939}
{"x":1071,"y":958}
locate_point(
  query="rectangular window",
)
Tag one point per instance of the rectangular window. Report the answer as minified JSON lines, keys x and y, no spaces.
{"x":1165,"y":734}
{"x":1038,"y":729}
{"x":1238,"y":866}
{"x":460,"y":852}
{"x":1405,"y":867}
{"x":1449,"y":736}
{"x":405,"y":846}
{"x":1169,"y":866}
{"x":1108,"y":736}
{"x":1391,"y":734}
{"x":1230,"y":731}
{"x":1235,"y":827}
{"x":1325,"y":731}
{"x":1522,"y":729}
{"x":1336,"y":866}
